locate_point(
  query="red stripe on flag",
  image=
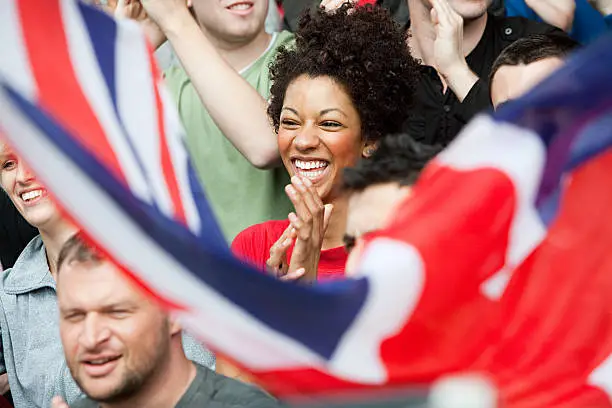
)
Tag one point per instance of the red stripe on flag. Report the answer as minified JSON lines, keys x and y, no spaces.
{"x":166,"y":159}
{"x":59,"y":90}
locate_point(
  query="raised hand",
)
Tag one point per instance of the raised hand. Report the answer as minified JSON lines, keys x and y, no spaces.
{"x":604,"y":6}
{"x":134,"y":9}
{"x":277,"y":262}
{"x":331,"y":5}
{"x":448,"y":49}
{"x":559,"y":13}
{"x":58,"y":402}
{"x":310,"y":221}
{"x":166,"y":13}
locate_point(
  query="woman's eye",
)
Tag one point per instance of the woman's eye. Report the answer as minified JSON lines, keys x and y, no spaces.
{"x":331,"y":124}
{"x":9,"y":164}
{"x":289,"y":122}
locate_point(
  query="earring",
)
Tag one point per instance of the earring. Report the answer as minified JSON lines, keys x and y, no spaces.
{"x":368,"y":151}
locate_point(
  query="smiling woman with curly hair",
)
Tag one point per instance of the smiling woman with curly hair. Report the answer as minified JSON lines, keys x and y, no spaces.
{"x":348,"y":81}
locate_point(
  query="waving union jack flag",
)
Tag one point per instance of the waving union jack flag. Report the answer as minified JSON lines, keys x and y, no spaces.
{"x":499,"y":263}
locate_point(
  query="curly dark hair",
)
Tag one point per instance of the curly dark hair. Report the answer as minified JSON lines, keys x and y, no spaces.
{"x":364,"y":51}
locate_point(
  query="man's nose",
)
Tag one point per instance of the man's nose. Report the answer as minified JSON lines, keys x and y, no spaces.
{"x":95,"y":332}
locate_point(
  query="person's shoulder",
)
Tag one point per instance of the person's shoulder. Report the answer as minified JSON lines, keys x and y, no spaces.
{"x":284,"y":38}
{"x":253,"y":244}
{"x":264,"y":232}
{"x":84,"y":403}
{"x":175,"y":76}
{"x":33,"y":253}
{"x":233,"y":393}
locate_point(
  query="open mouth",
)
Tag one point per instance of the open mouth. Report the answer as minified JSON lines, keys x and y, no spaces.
{"x":101,"y":366}
{"x":33,"y":196}
{"x":314,"y":170}
{"x":240,"y":7}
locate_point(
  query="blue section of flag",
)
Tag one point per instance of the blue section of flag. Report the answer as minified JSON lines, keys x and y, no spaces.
{"x":103,"y":35}
{"x":316,"y":317}
{"x":571,"y":111}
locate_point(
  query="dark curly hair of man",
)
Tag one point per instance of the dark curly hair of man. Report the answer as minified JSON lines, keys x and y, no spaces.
{"x":363,"y":50}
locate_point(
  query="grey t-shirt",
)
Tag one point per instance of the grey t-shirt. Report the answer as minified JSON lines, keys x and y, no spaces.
{"x":211,"y":390}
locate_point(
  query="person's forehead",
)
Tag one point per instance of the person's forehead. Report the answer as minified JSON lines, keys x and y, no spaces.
{"x":515,"y":75}
{"x":97,"y":283}
{"x":369,"y":209}
{"x":513,"y":81}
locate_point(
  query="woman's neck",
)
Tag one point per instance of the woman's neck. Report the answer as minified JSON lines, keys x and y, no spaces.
{"x":54,"y":239}
{"x":334,"y":235}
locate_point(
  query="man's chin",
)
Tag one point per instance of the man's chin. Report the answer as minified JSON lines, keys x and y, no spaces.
{"x":100,"y":390}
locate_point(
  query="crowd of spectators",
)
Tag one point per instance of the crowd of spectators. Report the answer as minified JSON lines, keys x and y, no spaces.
{"x":307,"y":122}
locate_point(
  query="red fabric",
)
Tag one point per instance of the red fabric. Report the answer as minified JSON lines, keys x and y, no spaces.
{"x":364,"y":2}
{"x":4,"y":403}
{"x":253,"y":245}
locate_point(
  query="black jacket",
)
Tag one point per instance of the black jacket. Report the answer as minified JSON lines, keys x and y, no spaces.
{"x":15,"y":232}
{"x":438,"y":117}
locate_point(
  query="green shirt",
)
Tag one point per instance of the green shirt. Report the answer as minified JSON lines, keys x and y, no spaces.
{"x":239,"y":194}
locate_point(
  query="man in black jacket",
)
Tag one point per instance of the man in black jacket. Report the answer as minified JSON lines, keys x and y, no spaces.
{"x":457,"y":42}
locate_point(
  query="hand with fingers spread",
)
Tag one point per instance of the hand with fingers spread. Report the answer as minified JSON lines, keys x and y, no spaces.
{"x":448,"y":48}
{"x":310,"y":221}
{"x":559,"y":13}
{"x":331,"y":5}
{"x":277,"y":262}
{"x":134,"y":10}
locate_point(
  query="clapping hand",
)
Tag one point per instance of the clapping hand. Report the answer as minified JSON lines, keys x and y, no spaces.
{"x":307,"y":226}
{"x":448,"y":49}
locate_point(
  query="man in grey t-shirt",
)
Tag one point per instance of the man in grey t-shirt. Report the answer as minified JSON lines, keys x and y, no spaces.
{"x":123,"y":350}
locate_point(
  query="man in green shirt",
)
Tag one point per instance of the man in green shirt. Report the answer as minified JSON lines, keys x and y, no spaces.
{"x":221,"y":86}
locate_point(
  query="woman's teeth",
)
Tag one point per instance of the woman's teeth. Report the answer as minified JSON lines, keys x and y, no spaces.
{"x":31,"y":195}
{"x":307,"y":165}
{"x":240,"y":6}
{"x":310,"y":169}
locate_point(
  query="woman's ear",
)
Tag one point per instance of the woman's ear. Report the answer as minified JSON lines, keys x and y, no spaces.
{"x":368,"y":149}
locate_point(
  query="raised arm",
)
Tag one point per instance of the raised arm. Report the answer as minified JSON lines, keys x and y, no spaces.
{"x":448,"y":49}
{"x":558,"y":13}
{"x":235,"y":106}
